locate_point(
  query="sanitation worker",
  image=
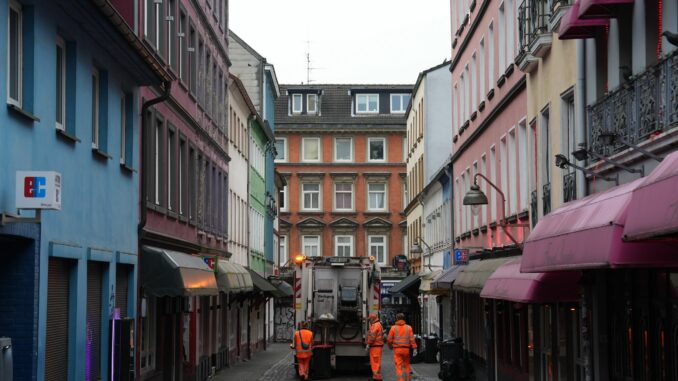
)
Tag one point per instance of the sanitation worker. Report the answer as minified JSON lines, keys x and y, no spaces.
{"x":302,"y":344}
{"x":375,"y":342}
{"x":401,"y":339}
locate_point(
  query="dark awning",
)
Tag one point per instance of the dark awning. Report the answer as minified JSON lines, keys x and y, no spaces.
{"x":171,"y":273}
{"x":233,"y":278}
{"x":261,"y":284}
{"x":411,"y":282}
{"x":473,"y":277}
{"x":448,"y":277}
{"x":284,"y":289}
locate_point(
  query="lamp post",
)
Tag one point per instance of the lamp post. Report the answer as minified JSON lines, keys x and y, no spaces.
{"x":475,"y":197}
{"x":416,"y":249}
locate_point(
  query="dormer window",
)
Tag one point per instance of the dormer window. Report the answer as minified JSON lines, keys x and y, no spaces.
{"x":399,"y":103}
{"x":367,"y":103}
{"x":311,"y":103}
{"x":296,"y":103}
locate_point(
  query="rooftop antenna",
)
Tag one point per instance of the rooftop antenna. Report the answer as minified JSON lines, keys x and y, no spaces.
{"x":309,"y":68}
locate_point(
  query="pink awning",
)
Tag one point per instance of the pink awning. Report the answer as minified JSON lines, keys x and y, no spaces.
{"x":653,"y":211}
{"x":587,"y":234}
{"x":508,"y":283}
{"x":599,"y":8}
{"x":572,"y":27}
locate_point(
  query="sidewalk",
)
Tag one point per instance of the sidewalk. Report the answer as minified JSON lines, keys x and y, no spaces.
{"x":266,"y":365}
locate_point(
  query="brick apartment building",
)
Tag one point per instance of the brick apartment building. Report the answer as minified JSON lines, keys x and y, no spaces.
{"x":341,"y":150}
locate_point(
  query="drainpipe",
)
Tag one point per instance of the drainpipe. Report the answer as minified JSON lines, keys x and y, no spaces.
{"x":167,"y":86}
{"x":580,"y":111}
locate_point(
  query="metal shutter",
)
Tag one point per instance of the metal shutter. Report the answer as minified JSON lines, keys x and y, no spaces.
{"x":93,"y":343}
{"x":121,"y":283}
{"x":56,"y":343}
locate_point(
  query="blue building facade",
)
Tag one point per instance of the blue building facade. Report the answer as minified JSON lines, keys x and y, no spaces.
{"x":70,"y":104}
{"x":271,"y":93}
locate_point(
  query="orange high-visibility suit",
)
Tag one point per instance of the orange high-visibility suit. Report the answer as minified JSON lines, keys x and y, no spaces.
{"x":375,"y":340}
{"x":303,"y":340}
{"x":401,"y":339}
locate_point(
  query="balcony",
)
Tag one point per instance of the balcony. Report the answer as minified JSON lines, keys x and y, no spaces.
{"x":533,"y":207}
{"x":534,"y":34}
{"x":546,"y":198}
{"x":569,"y":187}
{"x":644,"y":106}
{"x":558,"y":9}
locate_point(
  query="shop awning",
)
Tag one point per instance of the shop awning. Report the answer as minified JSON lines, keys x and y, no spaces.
{"x":508,"y":283}
{"x":653,"y":210}
{"x":473,"y":277}
{"x":587,"y":234}
{"x":171,"y":273}
{"x":427,"y":279}
{"x":409,"y":283}
{"x":261,"y":284}
{"x":284,"y":289}
{"x":233,"y":278}
{"x":600,"y":8}
{"x":445,"y":280}
{"x":572,"y":27}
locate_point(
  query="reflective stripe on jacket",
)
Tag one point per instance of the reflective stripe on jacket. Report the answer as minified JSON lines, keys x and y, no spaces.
{"x":303,"y":339}
{"x":401,"y":336}
{"x":375,"y":336}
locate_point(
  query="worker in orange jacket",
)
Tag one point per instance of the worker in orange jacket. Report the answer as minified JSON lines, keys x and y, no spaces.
{"x":302,"y":343}
{"x":401,"y":339}
{"x":375,"y":342}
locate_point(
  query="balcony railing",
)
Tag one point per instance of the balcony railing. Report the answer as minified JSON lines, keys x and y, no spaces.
{"x":533,"y":16}
{"x":644,"y":105}
{"x":533,"y":207}
{"x":569,"y":187}
{"x":546,"y":198}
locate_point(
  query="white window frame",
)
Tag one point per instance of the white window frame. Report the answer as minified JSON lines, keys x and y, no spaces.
{"x":303,"y":198}
{"x":403,"y":105}
{"x":385,"y":192}
{"x":16,"y":7}
{"x":367,"y":103}
{"x":282,"y":250}
{"x":303,"y":244}
{"x":285,"y":199}
{"x":61,"y":106}
{"x":301,"y":103}
{"x":350,"y":140}
{"x":284,"y":151}
{"x":303,"y":150}
{"x":384,"y":244}
{"x":335,"y":197}
{"x":308,"y":109}
{"x":148,"y":312}
{"x":95,"y":107}
{"x":343,"y":245}
{"x":369,"y":141}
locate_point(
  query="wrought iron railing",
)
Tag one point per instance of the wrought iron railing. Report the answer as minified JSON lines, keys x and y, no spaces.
{"x":569,"y":187}
{"x":534,"y":207}
{"x":533,"y":16}
{"x":644,"y":105}
{"x":546,"y":198}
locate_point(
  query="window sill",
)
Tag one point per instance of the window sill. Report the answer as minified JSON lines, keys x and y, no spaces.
{"x":23,"y":113}
{"x":483,"y":229}
{"x":306,"y":212}
{"x":172,"y":214}
{"x":474,"y":115}
{"x":524,"y":215}
{"x":345,"y":212}
{"x":509,"y":71}
{"x":481,"y":106}
{"x":376,"y":212}
{"x":101,"y":154}
{"x":490,"y":94}
{"x":127,"y":168}
{"x":501,"y":80}
{"x":183,"y":219}
{"x":65,"y":135}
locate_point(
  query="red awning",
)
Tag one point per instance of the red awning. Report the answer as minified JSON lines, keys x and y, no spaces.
{"x":508,"y":283}
{"x":653,"y":210}
{"x":587,"y":234}
{"x":599,"y":8}
{"x":572,"y":27}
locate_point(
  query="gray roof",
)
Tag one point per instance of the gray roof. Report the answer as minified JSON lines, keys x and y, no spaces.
{"x":335,"y":108}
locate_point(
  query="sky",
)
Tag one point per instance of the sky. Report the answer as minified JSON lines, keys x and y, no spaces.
{"x":349,"y":41}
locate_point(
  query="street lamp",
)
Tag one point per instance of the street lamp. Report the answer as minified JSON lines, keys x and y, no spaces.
{"x":416,"y":249}
{"x":608,"y":138}
{"x":563,"y":162}
{"x":475,"y":198}
{"x":583,"y":153}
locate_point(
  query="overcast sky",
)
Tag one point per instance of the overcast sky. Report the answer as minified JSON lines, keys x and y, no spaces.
{"x":350,"y":41}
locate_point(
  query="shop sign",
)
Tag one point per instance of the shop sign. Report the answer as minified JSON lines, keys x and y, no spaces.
{"x":460,"y":256}
{"x":38,"y":190}
{"x":210,"y":261}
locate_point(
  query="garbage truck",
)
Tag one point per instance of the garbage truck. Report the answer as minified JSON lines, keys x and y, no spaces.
{"x":336,"y":295}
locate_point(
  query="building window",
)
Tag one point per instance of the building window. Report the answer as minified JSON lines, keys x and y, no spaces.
{"x":147,"y":336}
{"x":343,"y":196}
{"x":296,"y":103}
{"x":171,"y":32}
{"x":399,"y":102}
{"x":60,"y":84}
{"x":282,"y":198}
{"x":376,"y":195}
{"x":376,"y":149}
{"x":157,"y":156}
{"x":343,"y":246}
{"x":311,"y":103}
{"x":95,"y":108}
{"x":126,"y":129}
{"x":15,"y":55}
{"x":310,"y":193}
{"x":343,"y":149}
{"x":367,"y":103}
{"x":377,"y":244}
{"x":282,"y":247}
{"x":311,"y":245}
{"x":182,"y":176}
{"x":281,"y":150}
{"x":310,"y":148}
{"x":171,"y":168}
{"x":182,"y":47}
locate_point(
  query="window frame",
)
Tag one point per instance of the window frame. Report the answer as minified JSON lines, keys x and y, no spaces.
{"x":285,"y":204}
{"x":303,"y":198}
{"x":16,"y":7}
{"x":303,"y":150}
{"x":367,"y":103}
{"x":308,"y":109}
{"x":61,"y":87}
{"x":96,"y":109}
{"x":352,"y":192}
{"x":350,"y":159}
{"x":284,"y":151}
{"x":303,"y":243}
{"x":282,"y":250}
{"x":384,"y":153}
{"x":301,"y":103}
{"x":403,"y":106}
{"x":148,"y":336}
{"x":123,"y":128}
{"x":385,"y":192}
{"x":384,"y":244}
{"x":350,"y":245}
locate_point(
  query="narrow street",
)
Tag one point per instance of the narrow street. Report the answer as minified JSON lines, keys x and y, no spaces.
{"x":277,"y":364}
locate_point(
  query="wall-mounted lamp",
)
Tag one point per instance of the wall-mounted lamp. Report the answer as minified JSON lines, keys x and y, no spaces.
{"x":609,"y":138}
{"x":583,"y":153}
{"x":563,"y":162}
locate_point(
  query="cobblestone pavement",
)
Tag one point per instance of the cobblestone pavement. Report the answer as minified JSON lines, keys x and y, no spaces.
{"x":277,"y":364}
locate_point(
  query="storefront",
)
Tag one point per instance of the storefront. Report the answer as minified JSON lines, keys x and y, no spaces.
{"x":405,"y":293}
{"x":443,"y":284}
{"x":235,"y":285}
